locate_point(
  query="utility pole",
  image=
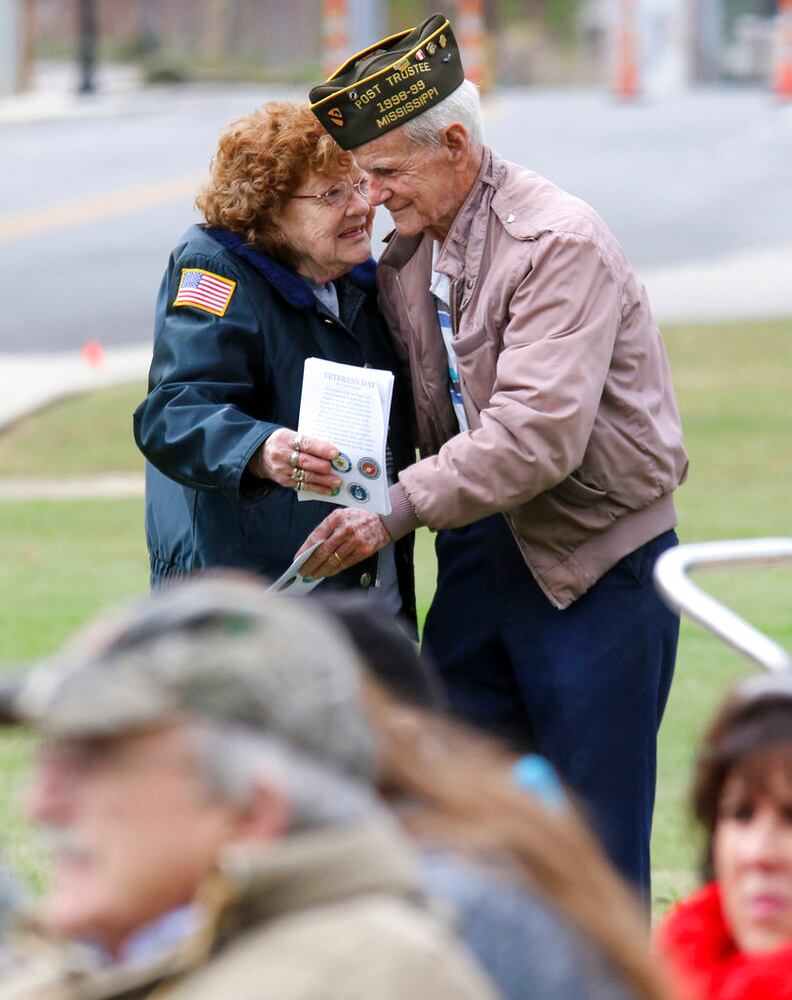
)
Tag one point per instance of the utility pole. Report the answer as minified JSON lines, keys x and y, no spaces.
{"x":28,"y":44}
{"x":149,"y":26}
{"x":87,"y":32}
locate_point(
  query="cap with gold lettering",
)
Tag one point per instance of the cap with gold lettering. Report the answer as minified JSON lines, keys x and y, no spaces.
{"x":389,"y":83}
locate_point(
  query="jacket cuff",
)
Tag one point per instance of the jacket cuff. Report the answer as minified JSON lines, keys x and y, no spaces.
{"x":402,"y":518}
{"x":255,"y":465}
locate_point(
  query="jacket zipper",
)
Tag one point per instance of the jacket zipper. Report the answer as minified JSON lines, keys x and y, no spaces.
{"x":437,"y":423}
{"x":454,"y":309}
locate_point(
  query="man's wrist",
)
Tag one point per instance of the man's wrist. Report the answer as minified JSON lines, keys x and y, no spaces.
{"x":402,"y":518}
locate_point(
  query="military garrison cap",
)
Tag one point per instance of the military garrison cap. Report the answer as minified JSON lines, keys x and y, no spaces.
{"x":389,"y":83}
{"x":217,"y":647}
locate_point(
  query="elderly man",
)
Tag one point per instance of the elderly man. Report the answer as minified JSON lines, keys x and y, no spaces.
{"x":550,"y":436}
{"x":207,"y":784}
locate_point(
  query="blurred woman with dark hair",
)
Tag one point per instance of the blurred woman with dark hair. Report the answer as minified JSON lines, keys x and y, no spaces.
{"x":536,"y":900}
{"x":733,"y":938}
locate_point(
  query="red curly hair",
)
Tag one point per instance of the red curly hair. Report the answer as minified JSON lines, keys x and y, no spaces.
{"x":261,"y":159}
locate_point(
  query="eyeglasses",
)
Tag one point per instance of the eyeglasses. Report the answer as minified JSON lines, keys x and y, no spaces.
{"x":340,"y":193}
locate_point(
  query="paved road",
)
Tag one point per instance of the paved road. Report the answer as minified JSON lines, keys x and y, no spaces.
{"x":94,"y":197}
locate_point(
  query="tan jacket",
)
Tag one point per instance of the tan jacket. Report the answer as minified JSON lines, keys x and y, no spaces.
{"x":329,"y":915}
{"x":574,"y":430}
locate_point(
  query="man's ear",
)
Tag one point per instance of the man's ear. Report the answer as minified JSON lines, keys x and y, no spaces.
{"x":456,"y":140}
{"x":267,"y":816}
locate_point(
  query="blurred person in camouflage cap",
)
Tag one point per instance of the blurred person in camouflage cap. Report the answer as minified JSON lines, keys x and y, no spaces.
{"x":205,"y":779}
{"x":550,"y":438}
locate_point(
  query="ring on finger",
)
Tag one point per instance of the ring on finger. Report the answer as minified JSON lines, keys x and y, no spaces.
{"x":294,"y":459}
{"x":299,"y":475}
{"x":297,"y":442}
{"x":300,"y":487}
{"x":338,"y":559}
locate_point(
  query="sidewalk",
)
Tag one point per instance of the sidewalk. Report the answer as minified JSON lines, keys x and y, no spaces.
{"x":54,"y":93}
{"x":30,"y":381}
{"x":747,"y":285}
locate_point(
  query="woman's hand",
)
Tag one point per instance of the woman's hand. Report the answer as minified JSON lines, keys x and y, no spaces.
{"x":295,"y":461}
{"x":349,"y":535}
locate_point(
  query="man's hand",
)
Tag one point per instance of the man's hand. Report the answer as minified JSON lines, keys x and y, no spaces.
{"x":278,"y":459}
{"x":349,"y":536}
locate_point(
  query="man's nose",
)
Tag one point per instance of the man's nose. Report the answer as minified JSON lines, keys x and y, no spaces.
{"x":379,"y":192}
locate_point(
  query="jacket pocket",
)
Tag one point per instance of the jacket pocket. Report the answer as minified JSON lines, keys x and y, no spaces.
{"x":576,"y":492}
{"x":468,"y":343}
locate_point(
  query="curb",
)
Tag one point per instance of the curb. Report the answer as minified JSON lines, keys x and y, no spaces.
{"x":112,"y":486}
{"x":29,"y":382}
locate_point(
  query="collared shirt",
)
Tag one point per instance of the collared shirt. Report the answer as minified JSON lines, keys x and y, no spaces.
{"x":327,"y":295}
{"x":440,"y":287}
{"x":152,"y":941}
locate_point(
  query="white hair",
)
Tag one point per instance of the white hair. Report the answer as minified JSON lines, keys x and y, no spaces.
{"x":461,"y":107}
{"x":233,"y":759}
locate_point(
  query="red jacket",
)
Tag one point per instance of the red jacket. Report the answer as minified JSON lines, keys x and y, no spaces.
{"x":708,"y":964}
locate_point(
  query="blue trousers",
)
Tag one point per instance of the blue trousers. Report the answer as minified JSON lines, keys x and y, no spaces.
{"x":586,"y":687}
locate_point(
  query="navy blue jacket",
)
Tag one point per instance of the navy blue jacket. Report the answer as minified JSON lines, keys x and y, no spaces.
{"x":220,"y":385}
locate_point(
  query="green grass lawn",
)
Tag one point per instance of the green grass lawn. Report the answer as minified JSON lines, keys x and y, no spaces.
{"x":62,"y":561}
{"x":83,"y":434}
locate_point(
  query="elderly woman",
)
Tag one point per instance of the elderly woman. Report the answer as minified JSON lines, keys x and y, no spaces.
{"x":733,"y":938}
{"x":280,"y":271}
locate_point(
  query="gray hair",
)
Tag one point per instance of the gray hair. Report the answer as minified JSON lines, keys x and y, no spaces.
{"x":232,"y":759}
{"x":461,"y":107}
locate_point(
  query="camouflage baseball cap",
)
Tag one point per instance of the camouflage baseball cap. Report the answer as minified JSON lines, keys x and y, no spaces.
{"x":390,"y":82}
{"x":216,"y":646}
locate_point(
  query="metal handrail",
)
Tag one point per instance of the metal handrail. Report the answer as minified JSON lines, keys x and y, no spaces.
{"x":686,"y":597}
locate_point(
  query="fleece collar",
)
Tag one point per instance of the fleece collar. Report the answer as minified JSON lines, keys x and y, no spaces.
{"x":284,"y":280}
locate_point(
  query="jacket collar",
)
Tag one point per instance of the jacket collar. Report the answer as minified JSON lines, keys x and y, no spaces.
{"x":317,"y":868}
{"x":291,"y":285}
{"x":253,"y":885}
{"x":464,"y":243}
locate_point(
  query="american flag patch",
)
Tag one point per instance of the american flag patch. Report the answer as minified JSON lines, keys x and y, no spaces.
{"x":204,"y":290}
